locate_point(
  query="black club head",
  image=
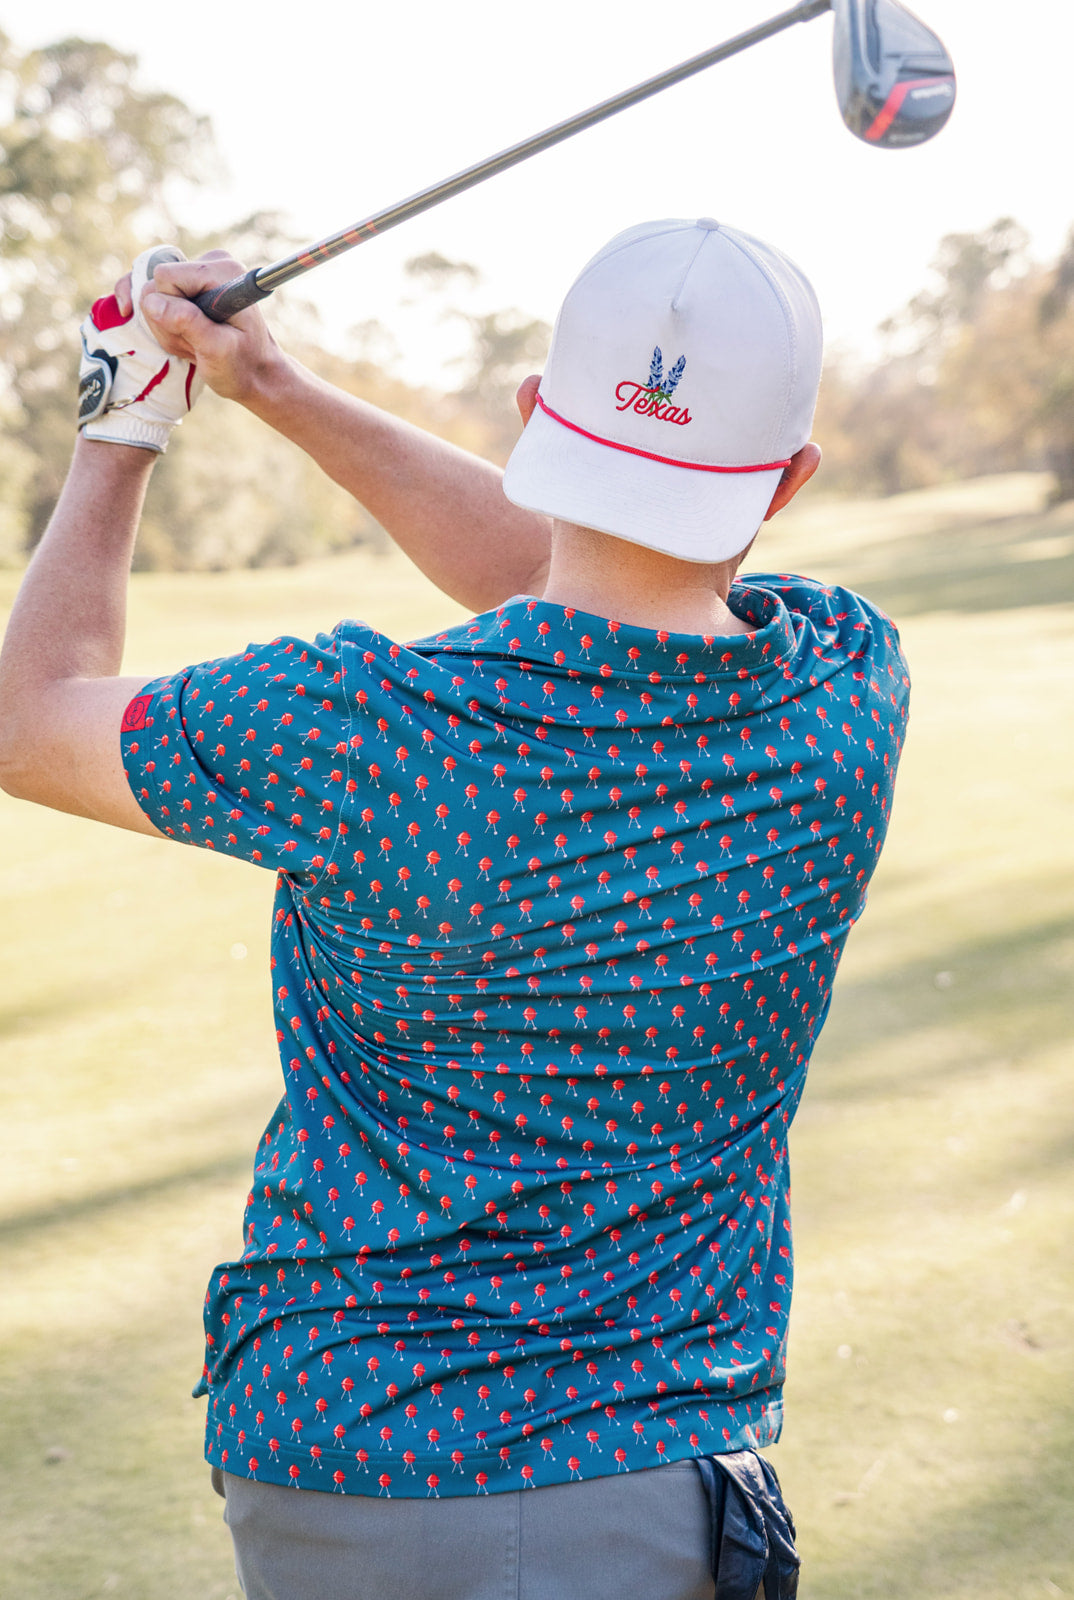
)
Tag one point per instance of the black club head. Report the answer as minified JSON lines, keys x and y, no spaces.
{"x":893,"y":78}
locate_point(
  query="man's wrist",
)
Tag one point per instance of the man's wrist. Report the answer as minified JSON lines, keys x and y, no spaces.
{"x":110,"y":456}
{"x":274,"y":389}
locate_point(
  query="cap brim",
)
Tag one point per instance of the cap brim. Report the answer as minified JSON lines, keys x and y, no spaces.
{"x":681,"y":511}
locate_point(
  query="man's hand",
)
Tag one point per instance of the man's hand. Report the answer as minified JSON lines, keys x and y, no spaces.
{"x":130,"y":390}
{"x":237,"y":358}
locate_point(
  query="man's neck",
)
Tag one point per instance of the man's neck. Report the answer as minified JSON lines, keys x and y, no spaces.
{"x":612,"y":578}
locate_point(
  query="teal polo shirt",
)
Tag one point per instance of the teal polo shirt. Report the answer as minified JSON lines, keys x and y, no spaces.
{"x":559,"y":902}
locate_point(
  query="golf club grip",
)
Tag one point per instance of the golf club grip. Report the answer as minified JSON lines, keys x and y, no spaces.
{"x":227,"y":298}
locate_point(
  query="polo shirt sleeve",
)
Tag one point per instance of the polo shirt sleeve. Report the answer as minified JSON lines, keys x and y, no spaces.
{"x":247,"y":755}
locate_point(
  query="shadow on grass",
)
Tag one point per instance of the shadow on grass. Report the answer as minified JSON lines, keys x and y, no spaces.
{"x":100,"y":1470}
{"x":1000,"y":565}
{"x":94,"y":1208}
{"x":1003,"y":993}
{"x":1014,"y":1537}
{"x":27,"y":1017}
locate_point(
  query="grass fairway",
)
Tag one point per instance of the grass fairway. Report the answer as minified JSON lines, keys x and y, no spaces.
{"x":929,"y":1447}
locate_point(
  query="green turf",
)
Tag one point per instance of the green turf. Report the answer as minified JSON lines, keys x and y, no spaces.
{"x":929,"y":1446}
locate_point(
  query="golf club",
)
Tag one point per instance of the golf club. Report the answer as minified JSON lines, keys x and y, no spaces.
{"x":894,"y":83}
{"x":893,"y":78}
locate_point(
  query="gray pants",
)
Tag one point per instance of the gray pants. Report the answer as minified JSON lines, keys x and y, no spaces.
{"x":638,"y":1536}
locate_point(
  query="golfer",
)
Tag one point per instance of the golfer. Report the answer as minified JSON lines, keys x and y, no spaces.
{"x":560,"y":895}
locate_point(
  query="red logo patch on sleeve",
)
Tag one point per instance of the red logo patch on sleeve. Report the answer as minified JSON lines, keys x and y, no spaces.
{"x":135,"y":714}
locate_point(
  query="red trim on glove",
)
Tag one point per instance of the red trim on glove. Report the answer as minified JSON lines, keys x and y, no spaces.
{"x":105,"y":314}
{"x":189,"y":380}
{"x":158,"y":377}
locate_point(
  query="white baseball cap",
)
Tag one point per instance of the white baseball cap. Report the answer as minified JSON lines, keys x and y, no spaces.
{"x":682,"y":377}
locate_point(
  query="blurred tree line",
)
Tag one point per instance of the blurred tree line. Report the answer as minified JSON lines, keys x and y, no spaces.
{"x":977,"y":374}
{"x":91,"y":169}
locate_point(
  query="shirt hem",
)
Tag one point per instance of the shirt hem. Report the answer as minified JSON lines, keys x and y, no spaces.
{"x":399,"y":1474}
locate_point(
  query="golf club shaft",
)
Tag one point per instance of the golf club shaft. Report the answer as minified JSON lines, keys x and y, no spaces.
{"x":223,"y":302}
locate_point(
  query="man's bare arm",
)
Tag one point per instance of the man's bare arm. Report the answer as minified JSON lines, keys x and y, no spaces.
{"x":443,"y":506}
{"x":61,"y":702}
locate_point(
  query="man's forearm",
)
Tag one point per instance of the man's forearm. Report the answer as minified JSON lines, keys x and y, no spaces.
{"x":443,"y":506}
{"x":69,"y":618}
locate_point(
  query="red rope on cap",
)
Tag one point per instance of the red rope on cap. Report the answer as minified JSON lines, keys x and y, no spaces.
{"x":647,"y":455}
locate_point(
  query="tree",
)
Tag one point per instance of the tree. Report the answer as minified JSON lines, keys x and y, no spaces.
{"x":85,"y":162}
{"x":879,"y":427}
{"x":92,"y":168}
{"x":979,"y":377}
{"x":1055,"y":321}
{"x":968,"y":267}
{"x":503,"y":346}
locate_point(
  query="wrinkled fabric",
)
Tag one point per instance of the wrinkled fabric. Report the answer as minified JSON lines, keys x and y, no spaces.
{"x":559,"y":905}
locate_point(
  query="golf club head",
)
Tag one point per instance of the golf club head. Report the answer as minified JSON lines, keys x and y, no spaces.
{"x":893,"y":78}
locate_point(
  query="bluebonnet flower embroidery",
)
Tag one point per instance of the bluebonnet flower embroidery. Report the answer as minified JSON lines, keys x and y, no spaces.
{"x":653,"y":399}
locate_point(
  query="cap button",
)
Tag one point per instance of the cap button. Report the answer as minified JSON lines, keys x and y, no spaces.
{"x":707,"y":222}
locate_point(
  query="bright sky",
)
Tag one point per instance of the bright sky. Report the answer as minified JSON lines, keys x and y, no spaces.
{"x":330,"y":110}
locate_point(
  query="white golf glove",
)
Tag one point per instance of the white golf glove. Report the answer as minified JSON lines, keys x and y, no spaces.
{"x":130,"y":391}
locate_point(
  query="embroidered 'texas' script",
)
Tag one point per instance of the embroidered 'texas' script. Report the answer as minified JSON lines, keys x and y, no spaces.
{"x":650,"y":403}
{"x":653,"y":399}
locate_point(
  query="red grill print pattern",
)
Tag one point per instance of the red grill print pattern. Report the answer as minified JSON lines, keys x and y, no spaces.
{"x":558,"y":909}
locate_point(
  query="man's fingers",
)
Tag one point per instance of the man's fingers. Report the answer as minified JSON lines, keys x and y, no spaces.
{"x":171,"y":319}
{"x":215,"y":266}
{"x":180,"y":282}
{"x":225,"y":354}
{"x":189,"y":278}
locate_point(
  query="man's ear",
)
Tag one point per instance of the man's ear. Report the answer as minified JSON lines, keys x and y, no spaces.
{"x":526,"y":398}
{"x":798,"y":471}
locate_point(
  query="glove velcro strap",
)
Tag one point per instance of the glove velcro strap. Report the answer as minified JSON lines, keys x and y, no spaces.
{"x":94,"y":383}
{"x":119,"y":427}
